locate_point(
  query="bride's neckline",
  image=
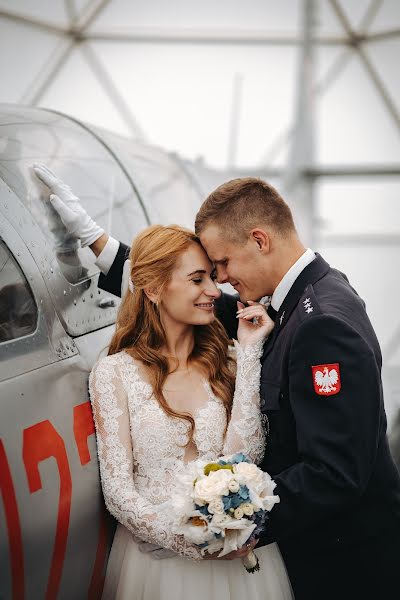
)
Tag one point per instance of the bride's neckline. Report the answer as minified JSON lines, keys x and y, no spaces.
{"x":204,"y":381}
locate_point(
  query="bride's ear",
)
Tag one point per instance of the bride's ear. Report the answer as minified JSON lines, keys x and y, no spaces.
{"x":152,"y":294}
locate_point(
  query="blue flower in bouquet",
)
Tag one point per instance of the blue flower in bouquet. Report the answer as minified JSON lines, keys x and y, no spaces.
{"x":203,"y":510}
{"x":259,"y":518}
{"x":235,"y":459}
{"x":234,"y":500}
{"x":239,"y":457}
{"x":244,"y":492}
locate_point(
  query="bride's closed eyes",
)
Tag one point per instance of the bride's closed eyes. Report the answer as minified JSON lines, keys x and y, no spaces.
{"x":198,"y":280}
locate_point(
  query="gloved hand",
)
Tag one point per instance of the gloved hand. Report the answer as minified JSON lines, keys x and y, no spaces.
{"x":72,"y":214}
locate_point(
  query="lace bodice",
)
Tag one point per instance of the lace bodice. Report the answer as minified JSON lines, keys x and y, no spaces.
{"x":141,"y":448}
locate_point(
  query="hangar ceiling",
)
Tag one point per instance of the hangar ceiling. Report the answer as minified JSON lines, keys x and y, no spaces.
{"x":305,"y":92}
{"x":182,"y":73}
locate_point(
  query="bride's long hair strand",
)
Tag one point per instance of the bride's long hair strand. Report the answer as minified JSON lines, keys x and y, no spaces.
{"x":139,"y":329}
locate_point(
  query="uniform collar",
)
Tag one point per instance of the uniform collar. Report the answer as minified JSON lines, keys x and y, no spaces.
{"x":310,"y":274}
{"x":290,"y":277}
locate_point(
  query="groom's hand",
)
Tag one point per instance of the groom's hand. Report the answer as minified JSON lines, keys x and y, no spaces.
{"x":79,"y":225}
{"x":241,"y":553}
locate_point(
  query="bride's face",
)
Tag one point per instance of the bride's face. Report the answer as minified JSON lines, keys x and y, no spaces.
{"x":190,"y":295}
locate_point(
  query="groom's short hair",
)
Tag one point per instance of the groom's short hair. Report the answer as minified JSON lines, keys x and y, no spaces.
{"x":240,"y":205}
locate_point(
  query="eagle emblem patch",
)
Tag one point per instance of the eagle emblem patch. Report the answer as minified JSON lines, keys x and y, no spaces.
{"x":326,"y":379}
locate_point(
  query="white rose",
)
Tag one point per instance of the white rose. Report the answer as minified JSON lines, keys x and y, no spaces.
{"x":269,"y":501}
{"x":181,"y":506}
{"x":247,"y":508}
{"x":250,"y":475}
{"x":196,"y":535}
{"x":238,"y":514}
{"x":216,"y":507}
{"x":233,"y":486}
{"x":221,"y":521}
{"x":216,"y":484}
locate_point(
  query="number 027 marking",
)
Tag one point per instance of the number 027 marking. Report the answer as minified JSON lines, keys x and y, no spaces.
{"x":41,"y":442}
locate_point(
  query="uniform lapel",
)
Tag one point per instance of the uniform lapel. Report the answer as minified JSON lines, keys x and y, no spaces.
{"x":312,"y":273}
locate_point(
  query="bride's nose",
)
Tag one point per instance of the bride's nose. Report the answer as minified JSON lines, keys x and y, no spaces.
{"x":212,"y":291}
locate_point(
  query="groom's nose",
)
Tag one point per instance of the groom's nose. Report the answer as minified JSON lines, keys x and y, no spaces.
{"x":222,"y":275}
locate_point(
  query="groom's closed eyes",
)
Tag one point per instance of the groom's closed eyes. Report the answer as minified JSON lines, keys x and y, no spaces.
{"x":221,"y":261}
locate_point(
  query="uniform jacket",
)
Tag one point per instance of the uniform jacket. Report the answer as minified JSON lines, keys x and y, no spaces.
{"x":327,"y":448}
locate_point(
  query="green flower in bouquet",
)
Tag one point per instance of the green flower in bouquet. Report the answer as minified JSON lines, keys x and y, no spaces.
{"x":216,"y":467}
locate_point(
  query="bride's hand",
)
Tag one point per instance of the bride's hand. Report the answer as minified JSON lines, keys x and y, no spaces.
{"x":254,"y":323}
{"x":240,"y":553}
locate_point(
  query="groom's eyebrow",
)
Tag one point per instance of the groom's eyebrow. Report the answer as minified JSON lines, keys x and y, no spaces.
{"x":195,"y":272}
{"x":220,"y":261}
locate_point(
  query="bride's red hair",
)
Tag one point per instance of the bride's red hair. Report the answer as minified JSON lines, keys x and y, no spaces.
{"x":139,"y":330}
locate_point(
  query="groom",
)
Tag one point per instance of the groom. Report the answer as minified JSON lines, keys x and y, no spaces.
{"x":338,"y":521}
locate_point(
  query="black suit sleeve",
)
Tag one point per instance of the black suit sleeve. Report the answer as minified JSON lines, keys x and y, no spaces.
{"x":226,"y":309}
{"x":112,"y":281}
{"x":337,"y":435}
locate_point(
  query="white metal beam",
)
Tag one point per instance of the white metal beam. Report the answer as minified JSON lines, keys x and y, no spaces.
{"x":377,"y":81}
{"x":32,"y":22}
{"x":70,"y":9}
{"x":233,"y":138}
{"x":89,"y":14}
{"x":47,"y":74}
{"x":369,"y":170}
{"x":316,"y":171}
{"x":112,"y":92}
{"x":382,"y":35}
{"x":298,"y":188}
{"x":326,"y":81}
{"x":203,"y":36}
{"x":356,"y":239}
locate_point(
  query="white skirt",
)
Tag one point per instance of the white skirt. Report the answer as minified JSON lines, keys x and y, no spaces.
{"x":133,"y":575}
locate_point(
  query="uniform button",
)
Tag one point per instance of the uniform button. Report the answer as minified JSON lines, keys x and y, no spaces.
{"x":338,"y":540}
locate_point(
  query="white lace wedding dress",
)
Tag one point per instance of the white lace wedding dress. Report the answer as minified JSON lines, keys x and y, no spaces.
{"x":140,"y":450}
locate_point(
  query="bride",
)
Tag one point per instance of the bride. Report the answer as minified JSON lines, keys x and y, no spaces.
{"x":172,"y":389}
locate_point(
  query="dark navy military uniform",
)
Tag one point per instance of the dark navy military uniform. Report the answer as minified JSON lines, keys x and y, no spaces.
{"x":338,"y":520}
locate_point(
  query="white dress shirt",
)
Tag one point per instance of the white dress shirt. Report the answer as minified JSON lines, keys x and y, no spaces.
{"x":288,"y":280}
{"x":107,"y":256}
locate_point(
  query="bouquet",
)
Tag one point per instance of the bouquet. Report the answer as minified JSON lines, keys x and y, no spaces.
{"x":222,"y":505}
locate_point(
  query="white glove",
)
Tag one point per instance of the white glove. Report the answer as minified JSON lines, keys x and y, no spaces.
{"x":72,"y":214}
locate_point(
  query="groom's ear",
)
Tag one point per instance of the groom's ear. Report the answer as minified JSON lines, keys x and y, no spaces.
{"x":262,"y":239}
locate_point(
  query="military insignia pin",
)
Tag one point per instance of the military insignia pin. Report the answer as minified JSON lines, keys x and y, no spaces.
{"x":326,"y":379}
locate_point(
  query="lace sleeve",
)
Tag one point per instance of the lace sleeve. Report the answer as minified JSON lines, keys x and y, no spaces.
{"x":245,"y":431}
{"x":111,"y":417}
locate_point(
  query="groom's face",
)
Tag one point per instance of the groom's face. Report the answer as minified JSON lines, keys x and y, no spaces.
{"x":239,"y":264}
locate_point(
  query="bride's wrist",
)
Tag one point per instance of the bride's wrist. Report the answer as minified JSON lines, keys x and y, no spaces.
{"x":247,"y":344}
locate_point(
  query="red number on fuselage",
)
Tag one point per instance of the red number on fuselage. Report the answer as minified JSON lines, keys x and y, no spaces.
{"x":83,"y":428}
{"x":13,"y":526}
{"x":40,"y":442}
